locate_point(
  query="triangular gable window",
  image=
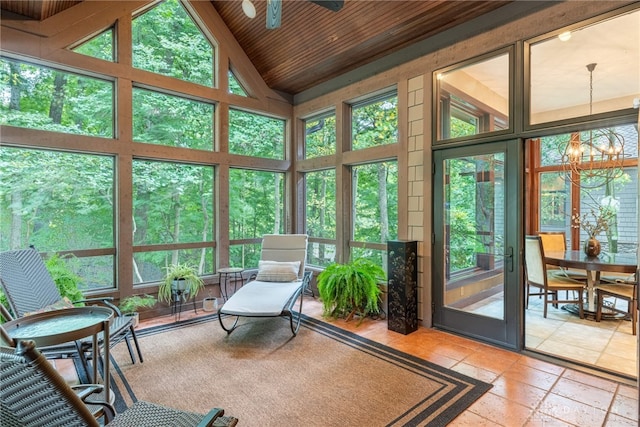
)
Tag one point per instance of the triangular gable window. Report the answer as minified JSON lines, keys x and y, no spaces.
{"x":234,"y":85}
{"x":167,"y":41}
{"x":101,"y":46}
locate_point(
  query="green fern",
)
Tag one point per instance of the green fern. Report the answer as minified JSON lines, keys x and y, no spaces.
{"x":349,"y":289}
{"x":66,"y":280}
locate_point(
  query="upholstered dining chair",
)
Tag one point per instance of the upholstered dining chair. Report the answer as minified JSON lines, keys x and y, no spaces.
{"x":549,"y":284}
{"x":556,"y":241}
{"x":33,"y":393}
{"x":627,"y":292}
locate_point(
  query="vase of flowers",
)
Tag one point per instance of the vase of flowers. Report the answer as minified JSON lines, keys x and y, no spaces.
{"x":593,"y":223}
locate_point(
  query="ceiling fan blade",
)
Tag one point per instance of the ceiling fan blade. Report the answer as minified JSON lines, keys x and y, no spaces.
{"x":274,"y":12}
{"x":333,"y":5}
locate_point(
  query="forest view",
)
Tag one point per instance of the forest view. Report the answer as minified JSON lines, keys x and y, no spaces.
{"x":67,"y":201}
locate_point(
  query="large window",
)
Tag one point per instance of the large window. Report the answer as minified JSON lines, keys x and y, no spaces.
{"x":256,"y":207}
{"x":167,"y":41}
{"x":256,"y":135}
{"x":172,"y":208}
{"x":59,"y":201}
{"x":375,"y":208}
{"x":171,"y":120}
{"x":38,"y":97}
{"x":321,"y":216}
{"x":100,"y":46}
{"x":375,"y":122}
{"x":320,"y":136}
{"x":131,"y":205}
{"x":584,"y":188}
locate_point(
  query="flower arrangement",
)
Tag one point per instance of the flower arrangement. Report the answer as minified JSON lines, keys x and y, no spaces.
{"x":600,"y":221}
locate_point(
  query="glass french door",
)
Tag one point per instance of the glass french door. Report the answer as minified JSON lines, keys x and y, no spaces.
{"x":477,"y":234}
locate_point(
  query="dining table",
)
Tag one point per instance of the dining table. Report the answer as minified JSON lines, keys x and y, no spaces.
{"x":626,"y":263}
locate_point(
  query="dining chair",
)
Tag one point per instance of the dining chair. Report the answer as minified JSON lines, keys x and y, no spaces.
{"x":33,"y":393}
{"x":29,"y":288}
{"x":556,"y":241}
{"x":549,"y":284}
{"x":619,"y":291}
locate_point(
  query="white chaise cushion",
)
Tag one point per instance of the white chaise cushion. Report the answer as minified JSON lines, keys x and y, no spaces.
{"x":261,"y":298}
{"x":278,"y":271}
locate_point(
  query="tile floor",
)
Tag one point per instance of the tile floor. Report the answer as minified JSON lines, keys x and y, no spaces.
{"x":607,"y":345}
{"x":526,"y":391}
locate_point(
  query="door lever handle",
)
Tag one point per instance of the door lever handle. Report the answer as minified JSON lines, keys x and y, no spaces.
{"x":508,"y":258}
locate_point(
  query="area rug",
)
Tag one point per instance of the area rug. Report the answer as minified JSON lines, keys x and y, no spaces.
{"x":264,"y":376}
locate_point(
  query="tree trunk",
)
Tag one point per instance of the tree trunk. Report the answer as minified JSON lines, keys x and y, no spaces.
{"x":382,"y":206}
{"x":57,"y":101}
{"x":15,"y":241}
{"x":16,"y":86}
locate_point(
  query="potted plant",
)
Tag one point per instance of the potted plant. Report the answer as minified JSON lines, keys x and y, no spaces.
{"x":181,"y":281}
{"x":350,"y":289}
{"x":130,"y":305}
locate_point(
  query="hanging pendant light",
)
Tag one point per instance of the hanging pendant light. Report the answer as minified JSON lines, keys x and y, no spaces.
{"x":594,"y":158}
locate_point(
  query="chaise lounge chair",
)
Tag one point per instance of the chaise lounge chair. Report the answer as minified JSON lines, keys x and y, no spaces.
{"x":278,"y":285}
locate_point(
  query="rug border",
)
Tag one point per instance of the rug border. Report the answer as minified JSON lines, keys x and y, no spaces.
{"x":466,"y":389}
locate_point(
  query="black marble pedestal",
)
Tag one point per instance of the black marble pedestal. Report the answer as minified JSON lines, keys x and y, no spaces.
{"x":402,"y":257}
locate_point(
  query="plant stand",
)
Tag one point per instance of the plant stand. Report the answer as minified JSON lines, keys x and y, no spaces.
{"x":177,"y":297}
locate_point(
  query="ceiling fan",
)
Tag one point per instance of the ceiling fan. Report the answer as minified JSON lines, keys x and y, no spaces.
{"x":274,"y":9}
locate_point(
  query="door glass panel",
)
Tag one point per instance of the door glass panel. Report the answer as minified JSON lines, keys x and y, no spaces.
{"x":474,"y":234}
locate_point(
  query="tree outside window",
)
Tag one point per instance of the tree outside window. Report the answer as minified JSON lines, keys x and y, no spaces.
{"x":172,"y":206}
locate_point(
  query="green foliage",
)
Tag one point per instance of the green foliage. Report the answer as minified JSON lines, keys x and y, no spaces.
{"x":320,"y":136}
{"x":375,"y":123}
{"x":256,"y":135}
{"x":257,"y":203}
{"x":192,"y":281}
{"x":133,"y":303}
{"x":101,"y":46}
{"x":5,"y":303}
{"x":180,"y":122}
{"x":54,"y":100}
{"x":352,"y":288}
{"x":376,"y":200}
{"x":66,"y":280}
{"x":167,"y":41}
{"x":234,"y":85}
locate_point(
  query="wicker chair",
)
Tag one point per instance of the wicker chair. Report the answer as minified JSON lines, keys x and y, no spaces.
{"x":33,"y":393}
{"x":29,"y":287}
{"x":549,"y":284}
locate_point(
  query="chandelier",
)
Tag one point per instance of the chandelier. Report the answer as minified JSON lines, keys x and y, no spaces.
{"x":593,"y":159}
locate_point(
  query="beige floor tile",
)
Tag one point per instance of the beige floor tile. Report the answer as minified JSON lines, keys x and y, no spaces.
{"x":584,"y":393}
{"x":572,"y":412}
{"x":500,"y":410}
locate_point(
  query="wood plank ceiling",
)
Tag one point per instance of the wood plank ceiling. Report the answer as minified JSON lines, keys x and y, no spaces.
{"x":314,"y":44}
